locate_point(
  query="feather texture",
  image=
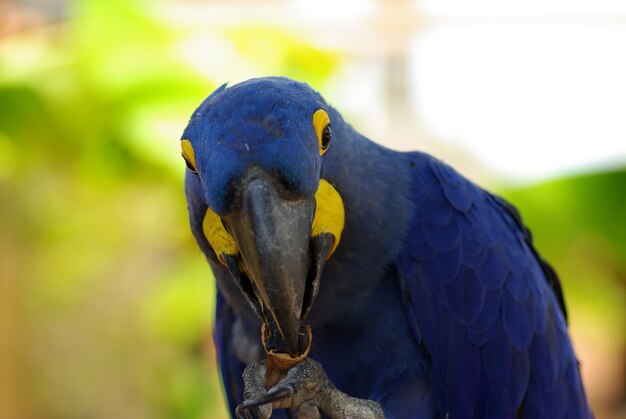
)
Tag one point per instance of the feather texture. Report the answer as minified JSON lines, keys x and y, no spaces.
{"x":499,"y":342}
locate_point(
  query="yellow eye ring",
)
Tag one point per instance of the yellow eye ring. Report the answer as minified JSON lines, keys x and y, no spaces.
{"x":188,"y":155}
{"x":321,"y":123}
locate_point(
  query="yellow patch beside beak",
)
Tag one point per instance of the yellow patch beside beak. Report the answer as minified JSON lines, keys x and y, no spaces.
{"x":329,"y":213}
{"x":219,"y":239}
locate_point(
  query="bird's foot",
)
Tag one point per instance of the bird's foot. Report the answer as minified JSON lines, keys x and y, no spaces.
{"x":304,"y":388}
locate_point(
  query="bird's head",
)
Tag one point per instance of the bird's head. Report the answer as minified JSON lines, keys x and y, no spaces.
{"x":255,"y":151}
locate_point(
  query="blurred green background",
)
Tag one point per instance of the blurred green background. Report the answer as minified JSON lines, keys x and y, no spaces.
{"x":105,"y":301}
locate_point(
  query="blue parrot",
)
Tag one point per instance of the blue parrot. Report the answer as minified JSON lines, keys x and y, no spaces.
{"x":423,"y":294}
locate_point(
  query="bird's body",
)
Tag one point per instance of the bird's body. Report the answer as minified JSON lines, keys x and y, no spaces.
{"x":435,"y":303}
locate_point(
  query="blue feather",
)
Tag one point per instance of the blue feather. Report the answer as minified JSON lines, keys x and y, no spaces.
{"x":502,"y":314}
{"x":465,"y":296}
{"x":444,"y":266}
{"x":456,"y":191}
{"x":486,"y":324}
{"x":461,"y":370}
{"x":508,"y":370}
{"x":519,"y":321}
{"x":516,"y":285}
{"x":442,"y":238}
{"x":544,"y":354}
{"x":437,"y":212}
{"x":494,"y":270}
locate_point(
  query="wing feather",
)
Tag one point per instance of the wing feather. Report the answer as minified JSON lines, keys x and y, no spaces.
{"x":486,"y":307}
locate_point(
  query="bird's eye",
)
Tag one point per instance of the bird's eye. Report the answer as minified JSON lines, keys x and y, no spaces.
{"x":321,"y":123}
{"x":325,"y":138}
{"x":188,"y":155}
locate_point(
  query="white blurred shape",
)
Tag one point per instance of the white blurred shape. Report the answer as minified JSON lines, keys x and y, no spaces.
{"x":530,"y":100}
{"x":519,"y":8}
{"x":348,"y":11}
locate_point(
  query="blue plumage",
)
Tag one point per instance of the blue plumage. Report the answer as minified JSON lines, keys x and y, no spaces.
{"x":435,"y":303}
{"x":498,"y":299}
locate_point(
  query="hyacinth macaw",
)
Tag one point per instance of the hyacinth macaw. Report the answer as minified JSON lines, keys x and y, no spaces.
{"x":424,"y":293}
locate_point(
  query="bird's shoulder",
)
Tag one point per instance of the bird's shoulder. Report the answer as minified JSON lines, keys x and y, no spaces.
{"x":482,"y":302}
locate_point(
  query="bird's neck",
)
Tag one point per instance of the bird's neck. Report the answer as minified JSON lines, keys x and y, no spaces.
{"x":373,"y":182}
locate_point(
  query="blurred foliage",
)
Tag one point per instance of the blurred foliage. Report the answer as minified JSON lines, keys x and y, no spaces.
{"x":114,"y":300}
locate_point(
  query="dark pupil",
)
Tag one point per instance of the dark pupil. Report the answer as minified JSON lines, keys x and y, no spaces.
{"x":189,"y":166}
{"x":326,"y":137}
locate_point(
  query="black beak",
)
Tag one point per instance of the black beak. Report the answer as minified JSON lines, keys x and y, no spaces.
{"x":273,"y":235}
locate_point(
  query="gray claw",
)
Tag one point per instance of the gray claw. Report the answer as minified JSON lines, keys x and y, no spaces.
{"x":241,"y":412}
{"x":244,"y":411}
{"x":274,"y":395}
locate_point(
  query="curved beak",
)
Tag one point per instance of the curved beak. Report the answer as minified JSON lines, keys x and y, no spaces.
{"x":274,"y":237}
